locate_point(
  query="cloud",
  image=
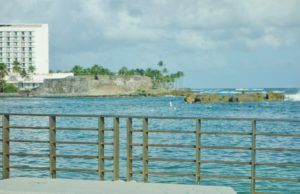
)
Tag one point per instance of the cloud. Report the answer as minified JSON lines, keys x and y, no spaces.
{"x":196,"y":24}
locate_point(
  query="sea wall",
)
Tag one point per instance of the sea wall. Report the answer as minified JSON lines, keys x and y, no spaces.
{"x":93,"y":86}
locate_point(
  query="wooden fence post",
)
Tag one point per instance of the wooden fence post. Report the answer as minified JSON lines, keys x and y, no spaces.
{"x":101,"y":147}
{"x":52,"y":142}
{"x":145,"y":149}
{"x":116,"y":148}
{"x":129,"y":149}
{"x":198,"y":150}
{"x":253,"y":156}
{"x":5,"y":146}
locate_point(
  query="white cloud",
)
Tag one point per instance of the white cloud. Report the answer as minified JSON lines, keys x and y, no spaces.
{"x":197,"y":24}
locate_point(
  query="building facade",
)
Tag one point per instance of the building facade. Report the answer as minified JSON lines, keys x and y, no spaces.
{"x":27,"y":44}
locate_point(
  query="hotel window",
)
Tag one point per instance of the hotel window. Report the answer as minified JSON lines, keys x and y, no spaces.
{"x":8,"y":59}
{"x":23,"y":39}
{"x":30,"y":49}
{"x":30,"y":33}
{"x":30,"y":59}
{"x":23,"y":33}
{"x":29,"y":38}
{"x":23,"y":59}
{"x":8,"y":39}
{"x":8,"y":44}
{"x":23,"y":64}
{"x":16,"y":33}
{"x":23,"y":49}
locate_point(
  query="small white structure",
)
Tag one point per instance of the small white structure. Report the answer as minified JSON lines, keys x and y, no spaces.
{"x":26,"y":43}
{"x":67,"y":186}
{"x":33,"y":81}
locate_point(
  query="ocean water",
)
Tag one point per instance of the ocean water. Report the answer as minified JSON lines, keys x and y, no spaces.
{"x":164,"y":106}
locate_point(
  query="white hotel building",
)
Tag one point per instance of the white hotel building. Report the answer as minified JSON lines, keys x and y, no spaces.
{"x":27,"y":44}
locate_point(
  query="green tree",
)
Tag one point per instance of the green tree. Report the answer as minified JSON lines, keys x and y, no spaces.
{"x":160,"y":63}
{"x":17,"y":67}
{"x":23,"y":73}
{"x":77,"y":70}
{"x":31,"y":69}
{"x":3,"y":73}
{"x":126,"y":71}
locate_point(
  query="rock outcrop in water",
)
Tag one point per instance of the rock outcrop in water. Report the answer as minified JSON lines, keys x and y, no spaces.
{"x":243,"y":97}
{"x":93,"y":86}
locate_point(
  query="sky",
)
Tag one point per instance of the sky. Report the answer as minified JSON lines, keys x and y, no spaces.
{"x":216,"y":43}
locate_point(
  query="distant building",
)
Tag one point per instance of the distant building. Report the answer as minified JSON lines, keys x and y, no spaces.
{"x":27,"y":44}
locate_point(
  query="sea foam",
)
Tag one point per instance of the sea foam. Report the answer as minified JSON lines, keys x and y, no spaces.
{"x":293,"y":97}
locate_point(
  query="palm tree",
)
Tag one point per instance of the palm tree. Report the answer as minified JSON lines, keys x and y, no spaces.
{"x":160,"y":63}
{"x":31,"y":69}
{"x":17,"y":67}
{"x":23,"y":73}
{"x":3,"y":73}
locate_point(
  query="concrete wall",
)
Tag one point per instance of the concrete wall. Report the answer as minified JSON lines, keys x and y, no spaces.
{"x":89,"y":86}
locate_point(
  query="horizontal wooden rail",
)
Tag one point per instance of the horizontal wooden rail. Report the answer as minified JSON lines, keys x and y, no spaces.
{"x":27,"y":141}
{"x":76,"y":142}
{"x":29,"y":154}
{"x":28,"y":127}
{"x":24,"y":167}
{"x":76,"y":156}
{"x":76,"y":170}
{"x":157,"y":117}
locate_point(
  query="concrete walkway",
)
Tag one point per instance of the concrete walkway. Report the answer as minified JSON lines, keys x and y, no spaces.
{"x":67,"y":186}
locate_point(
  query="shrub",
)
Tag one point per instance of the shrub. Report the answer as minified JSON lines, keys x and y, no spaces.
{"x":10,"y":88}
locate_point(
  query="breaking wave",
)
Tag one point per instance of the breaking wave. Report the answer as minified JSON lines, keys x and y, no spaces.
{"x":293,"y":97}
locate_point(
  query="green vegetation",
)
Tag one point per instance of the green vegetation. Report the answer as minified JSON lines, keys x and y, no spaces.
{"x":3,"y":73}
{"x":160,"y":77}
{"x":11,"y":88}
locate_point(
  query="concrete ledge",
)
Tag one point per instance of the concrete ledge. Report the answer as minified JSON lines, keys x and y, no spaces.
{"x":68,"y":186}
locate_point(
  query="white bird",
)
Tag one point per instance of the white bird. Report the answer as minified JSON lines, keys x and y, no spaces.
{"x":171,"y":106}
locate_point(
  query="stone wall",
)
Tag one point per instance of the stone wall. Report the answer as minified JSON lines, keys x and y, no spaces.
{"x":93,"y":86}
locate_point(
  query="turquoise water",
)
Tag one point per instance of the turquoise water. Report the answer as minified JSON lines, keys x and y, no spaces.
{"x":160,"y":106}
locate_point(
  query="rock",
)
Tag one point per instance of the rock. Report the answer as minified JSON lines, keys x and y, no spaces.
{"x":209,"y":98}
{"x":243,"y":97}
{"x":251,"y":97}
{"x":190,"y":98}
{"x":271,"y":96}
{"x":233,"y":99}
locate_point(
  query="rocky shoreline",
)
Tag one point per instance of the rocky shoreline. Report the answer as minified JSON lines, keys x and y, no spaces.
{"x":243,"y":97}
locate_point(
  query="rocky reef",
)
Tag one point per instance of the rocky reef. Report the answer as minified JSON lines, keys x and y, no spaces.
{"x":243,"y":97}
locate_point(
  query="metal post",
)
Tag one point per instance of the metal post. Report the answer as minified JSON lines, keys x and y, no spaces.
{"x":129,"y":149}
{"x":253,"y":156}
{"x":5,"y":146}
{"x":116,"y":148}
{"x":198,"y":150}
{"x":101,"y":147}
{"x":145,"y":149}
{"x":52,"y":137}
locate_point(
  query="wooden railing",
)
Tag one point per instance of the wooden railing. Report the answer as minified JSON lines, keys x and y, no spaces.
{"x":198,"y":133}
